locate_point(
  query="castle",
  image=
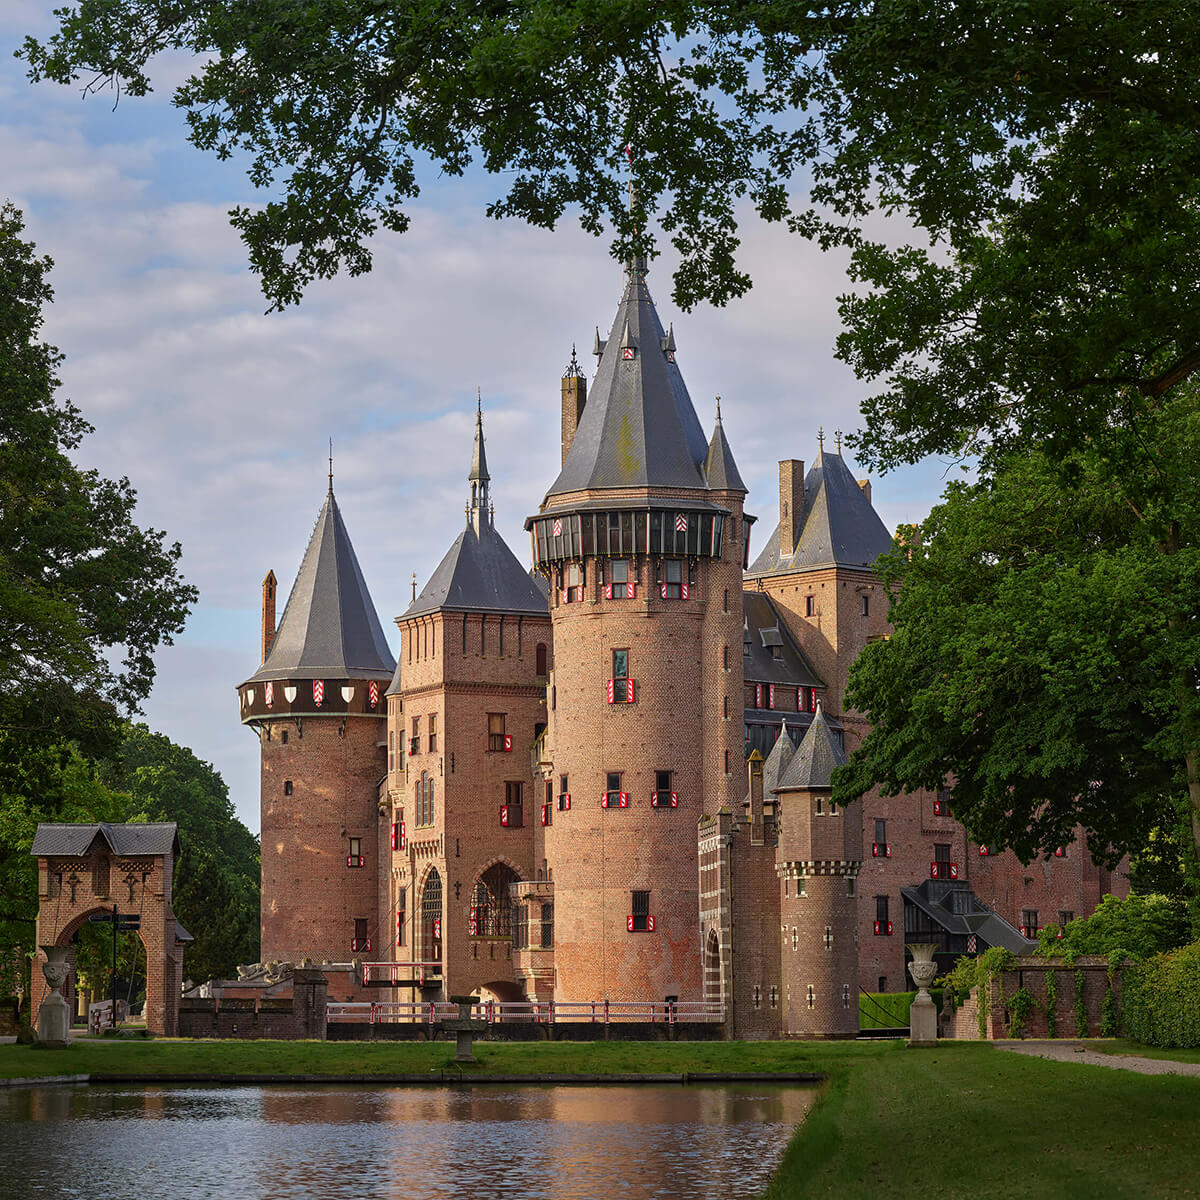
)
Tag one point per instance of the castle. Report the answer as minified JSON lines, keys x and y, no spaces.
{"x":608,"y":778}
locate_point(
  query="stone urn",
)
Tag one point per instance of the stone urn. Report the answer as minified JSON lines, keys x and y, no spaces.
{"x":54,"y":1014}
{"x":922,"y":1016}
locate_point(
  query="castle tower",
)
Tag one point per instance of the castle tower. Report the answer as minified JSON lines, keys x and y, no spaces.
{"x":642,"y":537}
{"x":317,"y":706}
{"x":818,"y":856}
{"x":465,"y":709}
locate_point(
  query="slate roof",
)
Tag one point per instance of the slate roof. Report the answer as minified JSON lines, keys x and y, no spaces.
{"x":479,"y":572}
{"x":66,"y":841}
{"x":638,"y":427}
{"x":330,"y":628}
{"x":777,"y":762}
{"x":958,"y":910}
{"x":838,"y":526}
{"x":815,"y":758}
{"x":762,"y":628}
{"x":719,"y":468}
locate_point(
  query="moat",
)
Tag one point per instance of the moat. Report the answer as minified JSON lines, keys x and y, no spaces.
{"x":666,"y":1142}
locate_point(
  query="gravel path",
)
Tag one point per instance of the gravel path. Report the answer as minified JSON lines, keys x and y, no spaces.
{"x":1078,"y":1052}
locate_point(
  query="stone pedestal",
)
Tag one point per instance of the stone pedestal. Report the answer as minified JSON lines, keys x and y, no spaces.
{"x":922,"y":1016}
{"x":464,"y":1027}
{"x":54,"y":1014}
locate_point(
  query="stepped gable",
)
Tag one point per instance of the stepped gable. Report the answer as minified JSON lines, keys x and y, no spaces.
{"x":815,"y":758}
{"x":839,"y":527}
{"x":719,"y":467}
{"x":479,"y":572}
{"x":638,"y":428}
{"x":329,"y":629}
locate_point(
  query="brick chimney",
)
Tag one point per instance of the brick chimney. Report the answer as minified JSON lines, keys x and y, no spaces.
{"x":865,"y":487}
{"x":268,"y":613}
{"x":791,"y":504}
{"x":755,"y":766}
{"x":574,"y":397}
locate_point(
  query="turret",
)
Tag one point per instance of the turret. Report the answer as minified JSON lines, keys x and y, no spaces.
{"x":317,"y":706}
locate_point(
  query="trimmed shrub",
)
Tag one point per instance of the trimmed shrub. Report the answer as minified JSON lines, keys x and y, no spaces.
{"x":889,"y":1010}
{"x":1161,"y":998}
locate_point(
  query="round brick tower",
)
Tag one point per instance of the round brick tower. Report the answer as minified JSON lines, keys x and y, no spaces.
{"x":642,"y":538}
{"x":818,"y":857}
{"x":317,"y":705}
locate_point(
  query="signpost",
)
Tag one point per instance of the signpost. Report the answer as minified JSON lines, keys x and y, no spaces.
{"x":120,"y":922}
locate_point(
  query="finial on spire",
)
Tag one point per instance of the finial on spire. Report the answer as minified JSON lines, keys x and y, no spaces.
{"x":479,"y":403}
{"x":331,"y":466}
{"x":414,"y":585}
{"x":718,"y":408}
{"x":821,"y":436}
{"x":837,"y":433}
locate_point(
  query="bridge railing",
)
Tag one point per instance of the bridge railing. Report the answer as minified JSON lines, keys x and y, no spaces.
{"x":548,"y":1012}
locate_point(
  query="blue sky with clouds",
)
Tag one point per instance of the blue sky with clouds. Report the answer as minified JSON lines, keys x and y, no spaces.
{"x":220,"y":414}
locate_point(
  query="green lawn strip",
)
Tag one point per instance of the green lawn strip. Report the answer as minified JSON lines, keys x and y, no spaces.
{"x":239,"y":1058}
{"x":967,"y":1120}
{"x":1124,"y":1046}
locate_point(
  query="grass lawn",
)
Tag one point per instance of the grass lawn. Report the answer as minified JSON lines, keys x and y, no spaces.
{"x":965,"y":1120}
{"x":1125,"y":1046}
{"x":962,"y":1120}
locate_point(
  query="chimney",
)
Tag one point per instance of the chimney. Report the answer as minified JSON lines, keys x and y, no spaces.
{"x":755,"y":765}
{"x":574,"y":396}
{"x":268,"y":613}
{"x":791,"y":504}
{"x":864,"y":486}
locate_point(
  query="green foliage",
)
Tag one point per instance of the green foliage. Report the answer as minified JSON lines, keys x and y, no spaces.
{"x":1110,"y":1015}
{"x":1081,"y":1021}
{"x":1033,"y":665}
{"x":1135,"y":927}
{"x":1161,"y":998}
{"x":1019,"y":1005}
{"x":1052,"y":1004}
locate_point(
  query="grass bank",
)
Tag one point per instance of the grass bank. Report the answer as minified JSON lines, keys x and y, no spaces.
{"x":1140,"y":1050}
{"x":965,"y":1120}
{"x":243,"y":1058}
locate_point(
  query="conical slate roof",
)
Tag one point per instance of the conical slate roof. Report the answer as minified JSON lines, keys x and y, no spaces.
{"x":329,"y":629}
{"x":815,"y":758}
{"x":719,"y":467}
{"x":638,"y":428}
{"x":480,"y":574}
{"x":777,"y":762}
{"x":838,"y":527}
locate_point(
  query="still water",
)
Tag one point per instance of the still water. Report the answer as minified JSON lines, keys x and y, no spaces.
{"x":480,"y":1143}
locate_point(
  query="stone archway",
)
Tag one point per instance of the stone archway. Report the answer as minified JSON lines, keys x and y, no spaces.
{"x":713,"y":983}
{"x":85,"y":870}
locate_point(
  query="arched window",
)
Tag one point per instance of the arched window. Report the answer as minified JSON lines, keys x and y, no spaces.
{"x":491,"y":901}
{"x":431,"y":918}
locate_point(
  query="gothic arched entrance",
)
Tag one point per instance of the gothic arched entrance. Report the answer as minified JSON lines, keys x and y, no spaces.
{"x":94,"y":869}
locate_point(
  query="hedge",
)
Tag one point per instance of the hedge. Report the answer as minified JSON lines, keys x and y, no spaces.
{"x":1161,"y":998}
{"x":895,"y":1006}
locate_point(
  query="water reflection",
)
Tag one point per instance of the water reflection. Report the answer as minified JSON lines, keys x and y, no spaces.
{"x":554,"y":1143}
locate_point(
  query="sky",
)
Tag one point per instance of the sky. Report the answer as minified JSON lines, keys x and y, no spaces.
{"x":220,"y":414}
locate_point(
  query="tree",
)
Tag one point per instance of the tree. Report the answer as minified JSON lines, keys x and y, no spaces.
{"x":1038,"y":651}
{"x":82,"y":588}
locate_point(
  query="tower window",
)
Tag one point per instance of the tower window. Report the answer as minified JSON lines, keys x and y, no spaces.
{"x":432,"y":733}
{"x":287,"y":787}
{"x":541,"y":660}
{"x":640,"y":909}
{"x":283,"y":736}
{"x":810,"y":606}
{"x":866,"y":605}
{"x":497,"y":738}
{"x":620,"y":664}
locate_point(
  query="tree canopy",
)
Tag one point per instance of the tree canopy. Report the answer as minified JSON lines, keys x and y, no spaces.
{"x":1043,"y":645}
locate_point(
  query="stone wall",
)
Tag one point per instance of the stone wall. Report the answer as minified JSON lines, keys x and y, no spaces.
{"x":301,"y":1016}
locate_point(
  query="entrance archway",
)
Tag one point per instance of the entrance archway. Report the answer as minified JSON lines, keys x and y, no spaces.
{"x":87,"y":870}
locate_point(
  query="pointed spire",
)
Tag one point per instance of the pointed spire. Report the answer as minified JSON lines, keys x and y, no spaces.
{"x":477,"y":512}
{"x":719,"y":467}
{"x":599,"y":344}
{"x":816,"y":757}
